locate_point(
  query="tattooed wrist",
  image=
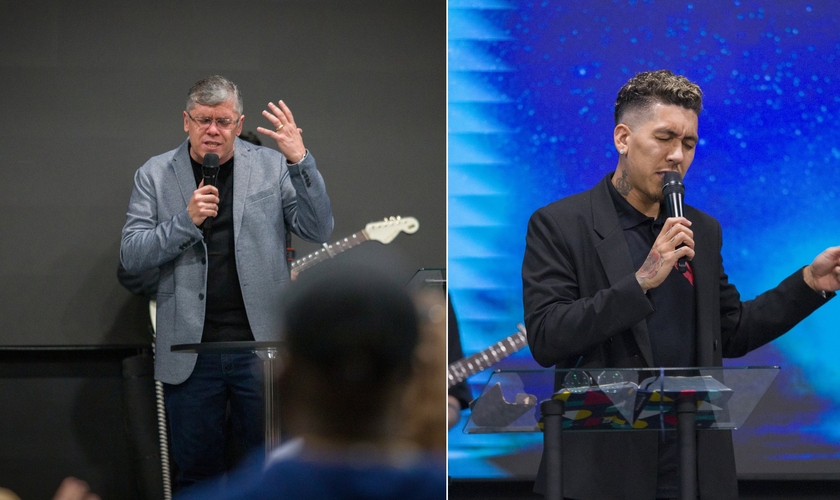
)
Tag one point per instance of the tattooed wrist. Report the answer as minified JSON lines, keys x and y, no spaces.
{"x":652,"y":265}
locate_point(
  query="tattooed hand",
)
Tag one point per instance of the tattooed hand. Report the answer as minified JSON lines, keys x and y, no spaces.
{"x":660,"y":261}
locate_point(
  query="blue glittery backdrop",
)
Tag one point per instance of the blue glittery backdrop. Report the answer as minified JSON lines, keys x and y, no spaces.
{"x":531,"y":93}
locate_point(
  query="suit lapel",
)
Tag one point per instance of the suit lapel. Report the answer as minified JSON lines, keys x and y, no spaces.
{"x":241,"y":180}
{"x":184,"y":171}
{"x":704,"y":295}
{"x":615,"y":254}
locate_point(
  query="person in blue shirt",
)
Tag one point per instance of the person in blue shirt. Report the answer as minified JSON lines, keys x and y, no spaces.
{"x":350,"y":335}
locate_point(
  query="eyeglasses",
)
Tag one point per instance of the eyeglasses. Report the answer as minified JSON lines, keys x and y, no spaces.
{"x":222,"y":123}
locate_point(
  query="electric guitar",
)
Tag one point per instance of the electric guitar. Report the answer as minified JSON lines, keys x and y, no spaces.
{"x":480,"y":361}
{"x":383,"y":232}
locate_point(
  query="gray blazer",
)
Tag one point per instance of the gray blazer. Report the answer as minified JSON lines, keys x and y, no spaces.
{"x":268,"y":196}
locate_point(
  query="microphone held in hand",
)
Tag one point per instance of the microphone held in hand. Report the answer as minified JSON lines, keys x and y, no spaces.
{"x":674,"y":191}
{"x":210,"y":170}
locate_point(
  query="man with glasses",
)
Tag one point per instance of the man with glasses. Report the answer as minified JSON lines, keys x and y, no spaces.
{"x":220,"y":255}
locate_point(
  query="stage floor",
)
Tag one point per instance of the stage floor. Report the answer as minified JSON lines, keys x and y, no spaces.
{"x":464,"y":489}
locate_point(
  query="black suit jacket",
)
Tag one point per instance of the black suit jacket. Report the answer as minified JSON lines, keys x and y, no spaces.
{"x":583,"y":306}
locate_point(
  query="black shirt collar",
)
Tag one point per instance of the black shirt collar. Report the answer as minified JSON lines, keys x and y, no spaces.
{"x":224,"y":170}
{"x":628,"y":216}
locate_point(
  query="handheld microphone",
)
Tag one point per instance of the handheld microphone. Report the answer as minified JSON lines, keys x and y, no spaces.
{"x":674,"y":191}
{"x":209,"y":169}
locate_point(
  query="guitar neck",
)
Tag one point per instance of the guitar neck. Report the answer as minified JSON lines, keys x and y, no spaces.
{"x":329,"y":251}
{"x":461,"y":369}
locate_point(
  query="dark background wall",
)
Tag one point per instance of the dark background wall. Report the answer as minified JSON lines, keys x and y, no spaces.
{"x":90,"y":91}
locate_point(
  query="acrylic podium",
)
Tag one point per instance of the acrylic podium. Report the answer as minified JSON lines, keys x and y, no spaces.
{"x":427,"y":278}
{"x":268,"y":353}
{"x":681,"y":400}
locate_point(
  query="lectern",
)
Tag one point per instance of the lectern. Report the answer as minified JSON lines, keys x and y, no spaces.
{"x":268,"y":353}
{"x":682,"y":400}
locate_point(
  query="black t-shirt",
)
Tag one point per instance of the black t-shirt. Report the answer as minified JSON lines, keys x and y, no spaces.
{"x":225,"y":318}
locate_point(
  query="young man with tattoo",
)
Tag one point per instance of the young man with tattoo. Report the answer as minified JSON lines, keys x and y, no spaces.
{"x":601,"y":289}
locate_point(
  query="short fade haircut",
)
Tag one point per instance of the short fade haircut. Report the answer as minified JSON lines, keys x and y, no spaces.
{"x":646,"y":89}
{"x":214,"y":90}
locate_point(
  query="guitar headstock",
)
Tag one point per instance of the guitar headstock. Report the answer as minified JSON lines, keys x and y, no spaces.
{"x":385,"y":231}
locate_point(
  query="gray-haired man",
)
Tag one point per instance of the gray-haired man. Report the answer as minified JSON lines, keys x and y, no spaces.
{"x":224,"y":284}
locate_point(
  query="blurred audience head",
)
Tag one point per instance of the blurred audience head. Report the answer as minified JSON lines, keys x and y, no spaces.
{"x":350,"y":333}
{"x":425,"y":398}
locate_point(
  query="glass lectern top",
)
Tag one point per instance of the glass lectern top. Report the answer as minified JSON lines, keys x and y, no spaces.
{"x":619,"y":399}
